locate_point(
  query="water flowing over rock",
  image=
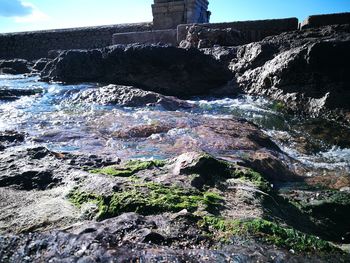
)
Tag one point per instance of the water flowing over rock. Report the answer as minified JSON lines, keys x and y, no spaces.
{"x":306,"y":70}
{"x":162,"y":69}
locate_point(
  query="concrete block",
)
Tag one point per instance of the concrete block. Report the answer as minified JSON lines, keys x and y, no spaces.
{"x":325,"y":20}
{"x":168,"y":36}
{"x":251,"y":31}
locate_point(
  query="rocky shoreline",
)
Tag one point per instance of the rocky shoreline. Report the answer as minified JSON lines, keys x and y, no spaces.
{"x":228,"y":193}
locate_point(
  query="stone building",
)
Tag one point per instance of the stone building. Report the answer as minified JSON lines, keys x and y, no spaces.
{"x":169,"y":14}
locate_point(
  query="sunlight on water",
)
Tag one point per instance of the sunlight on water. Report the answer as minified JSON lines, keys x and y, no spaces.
{"x":52,"y":120}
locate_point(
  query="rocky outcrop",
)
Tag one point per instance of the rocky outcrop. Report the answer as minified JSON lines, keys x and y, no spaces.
{"x":126,"y":96}
{"x":162,"y":69}
{"x":15,"y":66}
{"x":306,"y":70}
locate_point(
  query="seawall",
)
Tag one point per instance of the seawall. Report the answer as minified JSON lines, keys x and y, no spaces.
{"x":251,"y":31}
{"x":37,"y":44}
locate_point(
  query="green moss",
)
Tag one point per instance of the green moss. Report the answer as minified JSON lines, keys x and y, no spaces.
{"x":266,"y":231}
{"x":147,"y":199}
{"x":129,"y":168}
{"x":279,"y":106}
{"x":250,"y":175}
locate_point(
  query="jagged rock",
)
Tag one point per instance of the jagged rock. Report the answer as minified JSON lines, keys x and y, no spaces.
{"x":222,"y":54}
{"x":163,"y":69}
{"x":306,"y":70}
{"x":15,"y":66}
{"x":129,"y":97}
{"x":199,"y":36}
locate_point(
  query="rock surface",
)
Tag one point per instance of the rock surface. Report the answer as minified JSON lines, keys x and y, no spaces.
{"x":15,"y":66}
{"x":129,"y":97}
{"x":162,"y":69}
{"x":15,"y":94}
{"x":306,"y":70}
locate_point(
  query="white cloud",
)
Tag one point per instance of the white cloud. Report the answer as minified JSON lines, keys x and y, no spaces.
{"x":35,"y":16}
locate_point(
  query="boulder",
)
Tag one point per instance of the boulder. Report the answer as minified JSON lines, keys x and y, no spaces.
{"x":163,"y":69}
{"x":14,"y":94}
{"x":15,"y":66}
{"x":127,"y":96}
{"x":306,"y":70}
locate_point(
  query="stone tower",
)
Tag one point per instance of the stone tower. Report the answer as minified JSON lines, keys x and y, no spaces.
{"x":171,"y":13}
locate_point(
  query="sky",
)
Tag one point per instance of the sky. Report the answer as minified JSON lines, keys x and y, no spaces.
{"x":26,"y":15}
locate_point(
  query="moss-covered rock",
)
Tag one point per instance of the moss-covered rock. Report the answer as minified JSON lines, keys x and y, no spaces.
{"x":265,"y":231}
{"x":129,"y":168}
{"x":148,"y":199}
{"x":211,"y":171}
{"x":330,"y":210}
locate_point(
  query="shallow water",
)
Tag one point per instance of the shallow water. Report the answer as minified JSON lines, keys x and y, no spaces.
{"x":51,"y":119}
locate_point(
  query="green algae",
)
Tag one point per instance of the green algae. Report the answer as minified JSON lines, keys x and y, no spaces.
{"x":266,"y":231}
{"x":148,"y":199}
{"x":129,"y":169}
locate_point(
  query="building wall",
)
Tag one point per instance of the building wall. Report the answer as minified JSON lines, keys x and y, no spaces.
{"x":36,"y":44}
{"x":168,"y":14}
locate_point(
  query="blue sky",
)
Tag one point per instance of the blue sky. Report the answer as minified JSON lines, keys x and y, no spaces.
{"x":24,"y":15}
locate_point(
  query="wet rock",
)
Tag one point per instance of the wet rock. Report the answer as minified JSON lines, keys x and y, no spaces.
{"x":40,"y":64}
{"x":129,"y":97}
{"x":162,"y":69}
{"x":141,"y":131}
{"x":238,"y":134}
{"x":15,"y":94}
{"x":9,"y":71}
{"x":199,"y":36}
{"x":104,"y":242}
{"x":11,"y":136}
{"x":328,"y":209}
{"x":335,"y":181}
{"x":271,"y":166}
{"x":17,"y":66}
{"x":303,"y":69}
{"x":30,"y":180}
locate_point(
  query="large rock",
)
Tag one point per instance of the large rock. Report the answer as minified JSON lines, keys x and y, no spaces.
{"x":127,"y":96}
{"x":163,"y":69}
{"x":15,"y":66}
{"x":306,"y":70}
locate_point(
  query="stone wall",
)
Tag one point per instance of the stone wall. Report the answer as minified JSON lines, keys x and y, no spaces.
{"x":168,"y":14}
{"x":167,"y":36}
{"x":36,"y":44}
{"x":325,"y":20}
{"x":250,"y":31}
